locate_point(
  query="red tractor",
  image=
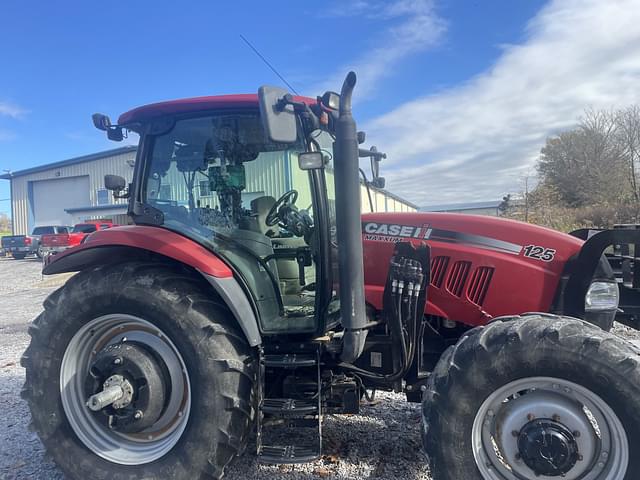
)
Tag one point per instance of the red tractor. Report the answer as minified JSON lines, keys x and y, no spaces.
{"x":250,"y":293}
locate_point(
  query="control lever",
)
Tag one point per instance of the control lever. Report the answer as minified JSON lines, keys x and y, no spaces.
{"x":303,"y":257}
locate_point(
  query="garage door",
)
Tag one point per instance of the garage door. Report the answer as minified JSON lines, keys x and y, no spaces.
{"x":52,"y":197}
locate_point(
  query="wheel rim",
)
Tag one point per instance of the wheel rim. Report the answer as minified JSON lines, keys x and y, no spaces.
{"x":133,"y":448}
{"x":577,"y":434}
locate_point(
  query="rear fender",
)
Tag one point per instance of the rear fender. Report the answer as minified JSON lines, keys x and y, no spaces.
{"x":133,"y":242}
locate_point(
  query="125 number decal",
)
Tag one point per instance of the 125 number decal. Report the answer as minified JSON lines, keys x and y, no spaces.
{"x":539,"y":253}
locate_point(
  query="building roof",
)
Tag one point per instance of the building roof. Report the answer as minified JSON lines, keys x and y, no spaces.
{"x":461,"y":206}
{"x":195,"y":104}
{"x":392,"y":195}
{"x":71,"y":161}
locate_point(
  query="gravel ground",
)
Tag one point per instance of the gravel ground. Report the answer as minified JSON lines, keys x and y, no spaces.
{"x":383,"y":442}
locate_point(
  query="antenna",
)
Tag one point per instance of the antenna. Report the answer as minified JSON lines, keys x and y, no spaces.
{"x":273,"y":69}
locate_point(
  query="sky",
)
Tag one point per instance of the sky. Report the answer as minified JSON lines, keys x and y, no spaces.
{"x":460,"y":94}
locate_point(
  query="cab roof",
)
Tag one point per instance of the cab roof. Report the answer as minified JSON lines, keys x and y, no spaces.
{"x":195,"y":104}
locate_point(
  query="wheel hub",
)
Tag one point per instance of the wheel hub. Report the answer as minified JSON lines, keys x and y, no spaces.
{"x":129,"y":385}
{"x":547,"y":447}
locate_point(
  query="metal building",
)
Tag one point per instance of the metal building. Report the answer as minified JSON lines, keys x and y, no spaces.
{"x":72,"y":191}
{"x":473,"y":208}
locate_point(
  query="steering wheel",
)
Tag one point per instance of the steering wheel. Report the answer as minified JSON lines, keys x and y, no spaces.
{"x":286,"y":200}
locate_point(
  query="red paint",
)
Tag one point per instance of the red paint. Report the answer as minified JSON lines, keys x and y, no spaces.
{"x":196,"y":104}
{"x":158,"y":240}
{"x":519,"y":284}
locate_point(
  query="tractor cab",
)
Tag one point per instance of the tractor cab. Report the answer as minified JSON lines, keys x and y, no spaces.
{"x":215,"y":178}
{"x":251,"y":178}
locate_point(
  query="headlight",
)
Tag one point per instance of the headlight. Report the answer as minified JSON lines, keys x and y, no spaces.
{"x":601,"y":296}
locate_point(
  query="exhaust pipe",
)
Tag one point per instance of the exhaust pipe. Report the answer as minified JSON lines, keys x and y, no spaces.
{"x":348,"y":220}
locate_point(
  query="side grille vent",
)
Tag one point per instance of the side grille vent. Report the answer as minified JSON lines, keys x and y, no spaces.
{"x":458,"y":277}
{"x":438,"y":269}
{"x":479,"y":284}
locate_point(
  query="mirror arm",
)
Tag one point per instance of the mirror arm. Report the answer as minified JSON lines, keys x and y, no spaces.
{"x":374,"y":154}
{"x":126,"y":193}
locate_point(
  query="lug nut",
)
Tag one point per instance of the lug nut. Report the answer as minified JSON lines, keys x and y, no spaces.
{"x":138,"y":415}
{"x":117,"y":361}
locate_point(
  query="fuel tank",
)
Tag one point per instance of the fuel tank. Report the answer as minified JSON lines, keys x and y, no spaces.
{"x":481,"y":267}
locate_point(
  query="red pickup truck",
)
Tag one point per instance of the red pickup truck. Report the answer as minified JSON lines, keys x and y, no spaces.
{"x":52,"y":244}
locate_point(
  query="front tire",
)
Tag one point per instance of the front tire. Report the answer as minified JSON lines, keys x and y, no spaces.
{"x":507,"y":391}
{"x":199,"y":369}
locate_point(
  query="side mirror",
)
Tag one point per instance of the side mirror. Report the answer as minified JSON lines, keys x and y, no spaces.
{"x":115,"y":134}
{"x":278,"y":118}
{"x":378,"y":182}
{"x":331,"y":100}
{"x":115,"y":183}
{"x":311,"y":161}
{"x":101,"y":121}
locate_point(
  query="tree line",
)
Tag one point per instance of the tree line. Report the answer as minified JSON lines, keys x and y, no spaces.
{"x":588,"y":176}
{"x":5,"y":223}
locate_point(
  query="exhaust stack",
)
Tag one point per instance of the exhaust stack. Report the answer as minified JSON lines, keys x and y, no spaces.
{"x":348,"y":219}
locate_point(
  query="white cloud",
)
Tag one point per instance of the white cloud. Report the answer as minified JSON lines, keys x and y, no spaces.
{"x":415,"y":27}
{"x":474,"y":141}
{"x":12,"y":110}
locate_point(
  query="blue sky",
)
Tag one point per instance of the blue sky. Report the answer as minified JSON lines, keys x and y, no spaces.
{"x":461,"y":94}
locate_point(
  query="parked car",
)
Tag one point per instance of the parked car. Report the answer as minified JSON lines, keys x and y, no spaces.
{"x":19,"y":246}
{"x":52,"y":244}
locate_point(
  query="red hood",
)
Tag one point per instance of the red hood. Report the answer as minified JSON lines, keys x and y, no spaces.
{"x":482,"y":267}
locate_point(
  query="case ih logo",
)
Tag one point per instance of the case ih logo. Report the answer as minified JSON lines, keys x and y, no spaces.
{"x":389,"y":232}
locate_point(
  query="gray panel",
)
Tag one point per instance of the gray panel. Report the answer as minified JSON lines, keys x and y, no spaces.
{"x":51,"y":197}
{"x":236,"y":299}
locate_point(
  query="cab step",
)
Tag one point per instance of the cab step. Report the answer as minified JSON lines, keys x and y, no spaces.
{"x":289,"y":430}
{"x":290,"y":360}
{"x":285,"y":454}
{"x":289,"y":407}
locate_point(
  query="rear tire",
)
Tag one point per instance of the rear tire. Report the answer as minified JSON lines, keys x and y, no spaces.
{"x":473,"y":408}
{"x":219,"y":364}
{"x":18,"y":256}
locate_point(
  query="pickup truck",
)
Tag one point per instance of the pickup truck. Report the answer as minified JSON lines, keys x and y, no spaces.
{"x":19,"y":246}
{"x":52,"y":244}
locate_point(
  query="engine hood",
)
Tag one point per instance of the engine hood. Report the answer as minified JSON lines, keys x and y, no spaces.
{"x":481,"y":267}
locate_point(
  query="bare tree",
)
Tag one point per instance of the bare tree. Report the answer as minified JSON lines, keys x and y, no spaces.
{"x":586,"y":166}
{"x":628,"y":138}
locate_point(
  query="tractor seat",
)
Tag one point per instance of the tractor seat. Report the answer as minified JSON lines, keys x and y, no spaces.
{"x":287,"y":268}
{"x":259,"y":209}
